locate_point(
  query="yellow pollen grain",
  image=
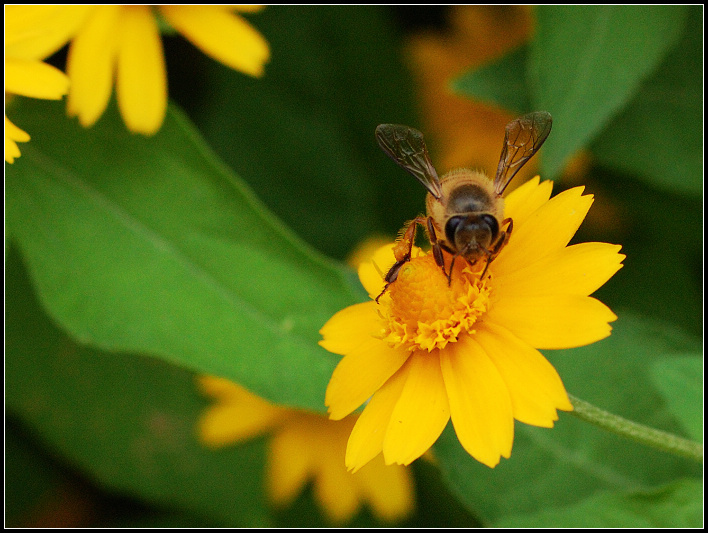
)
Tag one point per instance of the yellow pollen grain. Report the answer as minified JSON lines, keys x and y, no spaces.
{"x":424,"y":312}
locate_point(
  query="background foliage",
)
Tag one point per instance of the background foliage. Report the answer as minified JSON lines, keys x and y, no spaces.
{"x":217,"y":246}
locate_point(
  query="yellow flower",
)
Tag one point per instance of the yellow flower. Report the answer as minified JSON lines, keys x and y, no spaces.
{"x":123,"y":42}
{"x":32,"y":33}
{"x":428,"y":352}
{"x":304,"y":446}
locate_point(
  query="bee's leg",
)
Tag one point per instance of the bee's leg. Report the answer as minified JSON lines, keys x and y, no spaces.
{"x":449,"y":274}
{"x":494,"y":252}
{"x":437,"y":250}
{"x":402,"y":251}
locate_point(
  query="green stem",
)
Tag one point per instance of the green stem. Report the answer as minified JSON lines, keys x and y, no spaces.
{"x":646,"y":435}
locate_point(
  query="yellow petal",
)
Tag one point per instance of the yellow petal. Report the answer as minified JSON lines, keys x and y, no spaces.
{"x":579,"y":269}
{"x":366,"y":439}
{"x":37,"y":31}
{"x":224,"y":36}
{"x":480,"y":405}
{"x":546,"y":230}
{"x":421,"y":413}
{"x":35,"y":79}
{"x":553,"y":322}
{"x":90,"y":64}
{"x":290,"y":462}
{"x":359,"y":374}
{"x":350,"y":327}
{"x":521,"y":202}
{"x":141,"y":80}
{"x":534,"y":386}
{"x":387,"y":488}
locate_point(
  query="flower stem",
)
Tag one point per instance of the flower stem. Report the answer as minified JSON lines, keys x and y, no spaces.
{"x":651,"y":437}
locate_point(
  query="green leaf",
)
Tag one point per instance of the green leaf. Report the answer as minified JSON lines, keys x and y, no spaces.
{"x":588,"y":62}
{"x":679,"y":505}
{"x":151,"y":245}
{"x":127,"y":421}
{"x":501,"y":82}
{"x":659,"y":135}
{"x":575,"y":460}
{"x":679,"y":380}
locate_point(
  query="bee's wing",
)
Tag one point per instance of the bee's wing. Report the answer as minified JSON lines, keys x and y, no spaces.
{"x":407,"y":148}
{"x":524,"y":137}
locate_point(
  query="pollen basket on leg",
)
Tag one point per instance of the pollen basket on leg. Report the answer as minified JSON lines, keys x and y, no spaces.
{"x":423,"y":312}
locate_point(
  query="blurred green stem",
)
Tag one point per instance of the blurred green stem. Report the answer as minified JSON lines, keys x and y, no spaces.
{"x":646,"y":435}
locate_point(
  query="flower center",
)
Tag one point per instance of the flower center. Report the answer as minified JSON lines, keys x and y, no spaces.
{"x":423,"y":312}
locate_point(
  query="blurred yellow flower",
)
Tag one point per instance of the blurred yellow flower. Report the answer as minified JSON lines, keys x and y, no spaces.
{"x":463,"y":132}
{"x":429,"y":351}
{"x":32,"y":33}
{"x":304,"y":446}
{"x":123,"y":43}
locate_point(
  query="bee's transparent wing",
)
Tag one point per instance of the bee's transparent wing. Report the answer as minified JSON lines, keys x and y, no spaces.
{"x":524,"y":137}
{"x":407,"y":148}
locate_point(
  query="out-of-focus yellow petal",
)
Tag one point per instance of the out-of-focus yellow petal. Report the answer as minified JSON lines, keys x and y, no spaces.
{"x":224,"y":36}
{"x":548,"y":229}
{"x":350,"y":327}
{"x":480,"y":406}
{"x":554,"y":322}
{"x":238,"y":414}
{"x":37,"y":31}
{"x":421,"y":413}
{"x":13,"y":135}
{"x":366,"y":440}
{"x":359,"y":374}
{"x":141,"y":81}
{"x":333,"y":485}
{"x":388,"y":488}
{"x":579,"y":269}
{"x":534,"y":386}
{"x":91,"y":63}
{"x":290,"y":462}
{"x":225,"y":424}
{"x":34,"y":79}
{"x":366,"y":249}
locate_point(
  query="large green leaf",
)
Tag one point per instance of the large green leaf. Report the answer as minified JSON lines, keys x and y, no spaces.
{"x":501,"y":82}
{"x":587,"y":62}
{"x":575,"y":460}
{"x":151,"y":245}
{"x":679,"y":505}
{"x":659,"y":135}
{"x":680,"y":382}
{"x":127,"y":421}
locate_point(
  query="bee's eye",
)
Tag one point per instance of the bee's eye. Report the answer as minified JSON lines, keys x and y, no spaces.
{"x":490,"y":221}
{"x":451,"y":227}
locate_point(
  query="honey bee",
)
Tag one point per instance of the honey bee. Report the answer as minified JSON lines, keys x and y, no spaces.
{"x":465,"y":208}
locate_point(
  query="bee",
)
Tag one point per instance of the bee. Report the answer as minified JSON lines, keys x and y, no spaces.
{"x":465,"y":208}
